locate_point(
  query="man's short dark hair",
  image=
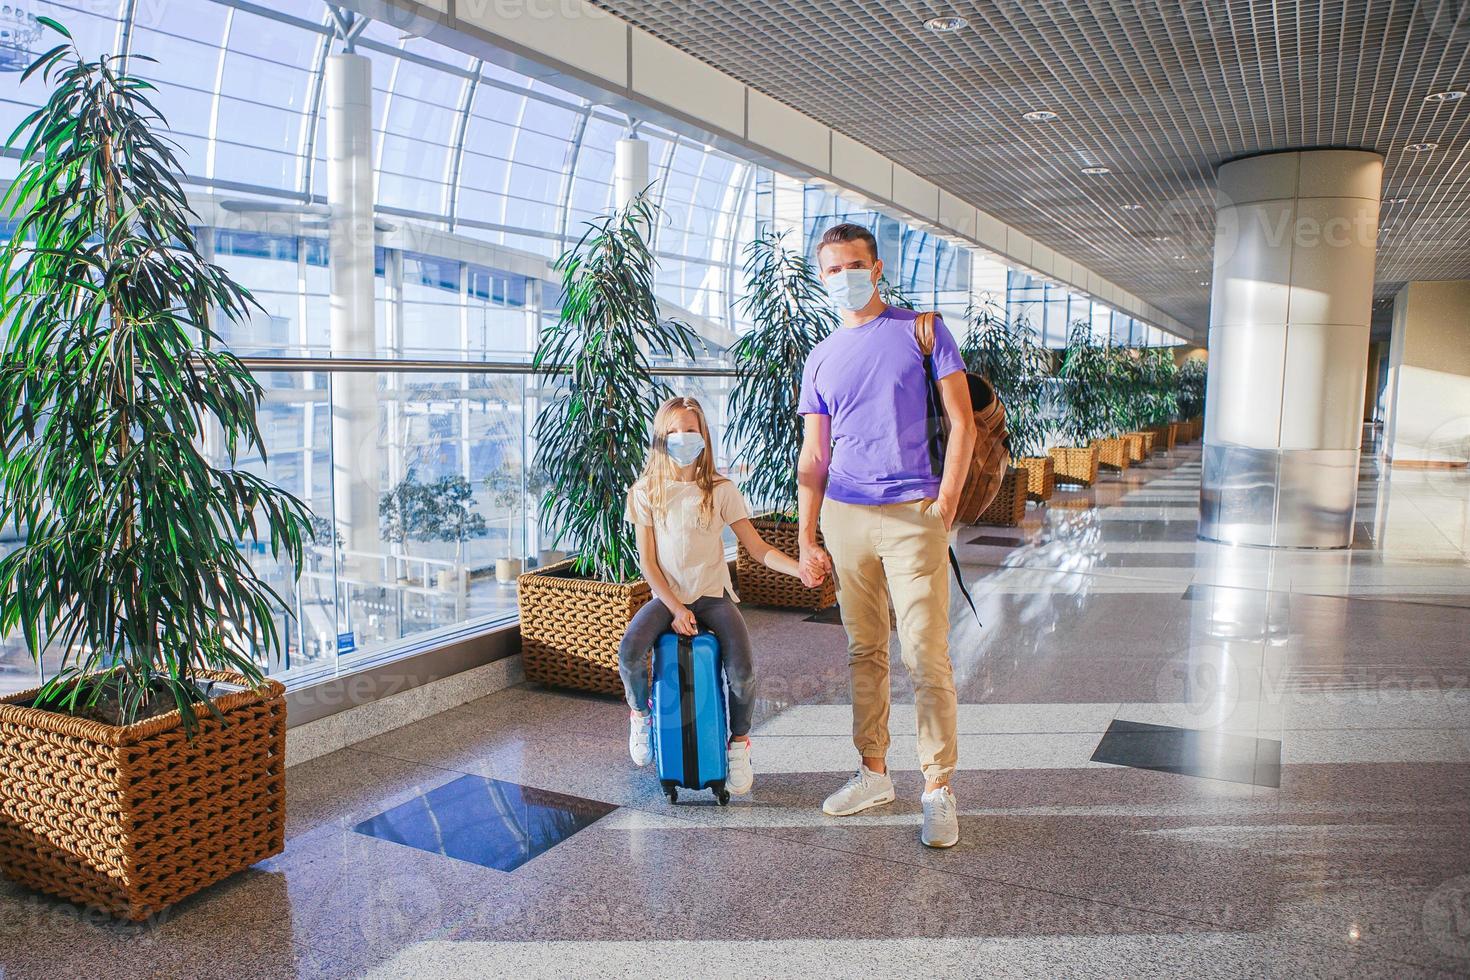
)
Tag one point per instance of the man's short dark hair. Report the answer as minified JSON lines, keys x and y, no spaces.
{"x":848,"y":232}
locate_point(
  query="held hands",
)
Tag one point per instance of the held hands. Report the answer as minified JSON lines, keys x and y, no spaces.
{"x":815,"y":565}
{"x":684,"y":622}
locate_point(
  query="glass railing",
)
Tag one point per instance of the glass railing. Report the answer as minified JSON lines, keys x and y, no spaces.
{"x":425,"y":506}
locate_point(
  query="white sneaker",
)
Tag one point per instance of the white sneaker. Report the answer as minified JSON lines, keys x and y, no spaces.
{"x":640,"y":738}
{"x":941,"y":818}
{"x":865,"y":789}
{"x":741,"y":777}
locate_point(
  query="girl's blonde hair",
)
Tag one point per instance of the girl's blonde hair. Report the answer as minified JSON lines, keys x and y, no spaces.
{"x":660,"y":469}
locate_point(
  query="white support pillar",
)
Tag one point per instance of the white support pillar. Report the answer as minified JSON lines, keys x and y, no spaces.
{"x":1295,"y":242}
{"x":356,"y":455}
{"x":788,"y":209}
{"x":630,"y":171}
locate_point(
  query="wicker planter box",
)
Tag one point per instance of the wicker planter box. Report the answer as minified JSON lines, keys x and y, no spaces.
{"x":571,"y":627}
{"x":761,"y":586}
{"x":133,"y":819}
{"x":1113,"y":452}
{"x":1137,"y":443}
{"x":1009,"y":507}
{"x":1075,"y":464}
{"x":1170,"y":434}
{"x":1041,"y":476}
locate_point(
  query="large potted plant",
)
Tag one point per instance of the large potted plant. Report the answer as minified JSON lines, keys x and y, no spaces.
{"x":591,"y":442}
{"x":1087,"y":411}
{"x":789,"y":315}
{"x":1130,"y":394}
{"x":1161,"y":402}
{"x":1010,"y":356}
{"x":151,"y":763}
{"x":1190,"y":382}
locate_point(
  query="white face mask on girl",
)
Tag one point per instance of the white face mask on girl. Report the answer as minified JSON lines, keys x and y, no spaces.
{"x":684,"y":447}
{"x":850,"y":289}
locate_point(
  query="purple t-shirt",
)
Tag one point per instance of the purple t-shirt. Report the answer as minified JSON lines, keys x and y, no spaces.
{"x":870,"y":380}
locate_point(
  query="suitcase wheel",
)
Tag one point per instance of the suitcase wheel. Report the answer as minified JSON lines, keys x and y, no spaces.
{"x":672,"y":794}
{"x":723,"y":795}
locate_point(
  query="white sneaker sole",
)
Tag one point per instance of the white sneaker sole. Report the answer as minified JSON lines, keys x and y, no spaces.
{"x":879,"y":800}
{"x":938,"y":846}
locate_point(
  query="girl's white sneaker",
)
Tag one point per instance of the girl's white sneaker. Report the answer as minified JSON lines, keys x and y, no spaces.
{"x":741,"y":777}
{"x":640,"y":738}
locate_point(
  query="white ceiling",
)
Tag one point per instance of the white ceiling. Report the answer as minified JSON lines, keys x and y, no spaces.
{"x":1160,"y":92}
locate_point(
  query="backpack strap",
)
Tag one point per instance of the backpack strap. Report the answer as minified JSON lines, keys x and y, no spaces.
{"x":959,"y":579}
{"x":934,"y":405}
{"x":924,"y":335}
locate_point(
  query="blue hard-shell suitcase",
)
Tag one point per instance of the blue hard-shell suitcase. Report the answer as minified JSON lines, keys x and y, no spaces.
{"x":689,"y":727}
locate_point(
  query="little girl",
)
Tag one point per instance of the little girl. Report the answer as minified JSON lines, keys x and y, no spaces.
{"x":681,"y":505}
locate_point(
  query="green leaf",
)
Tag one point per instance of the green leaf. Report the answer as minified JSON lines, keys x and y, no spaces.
{"x":130,"y":572}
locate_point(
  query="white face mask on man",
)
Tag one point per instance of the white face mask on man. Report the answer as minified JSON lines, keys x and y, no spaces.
{"x":684,"y":447}
{"x":850,"y":289}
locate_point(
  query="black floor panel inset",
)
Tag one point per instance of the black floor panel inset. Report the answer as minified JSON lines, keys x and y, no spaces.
{"x":1191,"y":752}
{"x":487,"y":822}
{"x":996,"y":541}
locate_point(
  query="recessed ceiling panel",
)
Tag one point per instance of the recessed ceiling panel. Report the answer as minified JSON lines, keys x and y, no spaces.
{"x":1160,"y":93}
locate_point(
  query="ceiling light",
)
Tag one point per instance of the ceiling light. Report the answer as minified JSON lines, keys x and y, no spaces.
{"x":1039,"y":115}
{"x":1421,"y":147}
{"x":1452,"y":95}
{"x":1395,"y":200}
{"x":1133,"y":207}
{"x":1096,"y":171}
{"x":946,"y":25}
{"x":1160,"y":238}
{"x":1202,"y":283}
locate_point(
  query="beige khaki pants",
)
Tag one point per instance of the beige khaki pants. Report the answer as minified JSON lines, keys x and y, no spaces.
{"x":898,"y":552}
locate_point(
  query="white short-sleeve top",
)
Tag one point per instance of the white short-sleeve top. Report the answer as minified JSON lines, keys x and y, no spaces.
{"x":690,"y":550}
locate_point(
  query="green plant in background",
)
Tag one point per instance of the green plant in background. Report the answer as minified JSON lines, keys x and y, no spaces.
{"x":450,"y":515}
{"x":403,"y":511}
{"x":510,"y":487}
{"x":1127,"y":388}
{"x":1190,"y":387}
{"x":790,"y":315}
{"x":894,"y":294}
{"x":110,"y":377}
{"x":1088,"y":388}
{"x":1161,"y":401}
{"x":592,"y":436}
{"x":1012,"y":358}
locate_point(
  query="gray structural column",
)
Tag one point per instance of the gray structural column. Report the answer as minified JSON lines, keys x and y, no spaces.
{"x":356,"y":455}
{"x":1295,"y":241}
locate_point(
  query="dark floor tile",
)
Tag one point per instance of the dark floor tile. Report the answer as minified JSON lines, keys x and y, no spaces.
{"x":1191,"y":752}
{"x":488,"y":822}
{"x":996,"y":541}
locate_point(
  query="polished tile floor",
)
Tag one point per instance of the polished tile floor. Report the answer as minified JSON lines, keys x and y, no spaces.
{"x":1286,"y":790}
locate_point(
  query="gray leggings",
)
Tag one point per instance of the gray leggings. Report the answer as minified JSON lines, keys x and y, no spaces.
{"x":720,"y":616}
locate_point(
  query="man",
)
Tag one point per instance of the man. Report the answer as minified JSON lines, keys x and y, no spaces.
{"x":866,"y":471}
